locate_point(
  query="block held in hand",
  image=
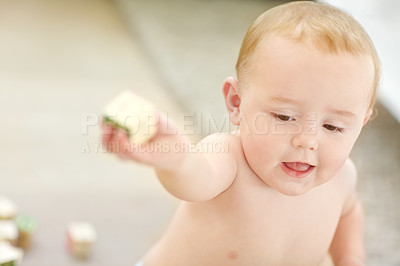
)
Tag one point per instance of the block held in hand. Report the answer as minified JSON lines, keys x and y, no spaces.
{"x":135,"y":115}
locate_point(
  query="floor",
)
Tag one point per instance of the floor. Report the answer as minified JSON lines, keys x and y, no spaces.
{"x":60,"y":63}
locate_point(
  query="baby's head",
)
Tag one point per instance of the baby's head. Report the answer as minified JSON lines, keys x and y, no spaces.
{"x":327,"y":28}
{"x":307,"y":80}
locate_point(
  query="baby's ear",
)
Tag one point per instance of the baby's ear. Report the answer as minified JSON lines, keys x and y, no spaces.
{"x":367,"y":116}
{"x":230,"y":90}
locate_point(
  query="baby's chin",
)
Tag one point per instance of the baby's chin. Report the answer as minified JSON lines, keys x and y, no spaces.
{"x":296,"y":189}
{"x":294,"y":192}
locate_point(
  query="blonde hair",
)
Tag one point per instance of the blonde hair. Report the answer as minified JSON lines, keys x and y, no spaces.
{"x":328,"y":27}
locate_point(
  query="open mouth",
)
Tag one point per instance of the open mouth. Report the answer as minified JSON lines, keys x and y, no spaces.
{"x":297,"y":169}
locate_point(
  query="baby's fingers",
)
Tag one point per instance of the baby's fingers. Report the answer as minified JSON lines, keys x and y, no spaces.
{"x":115,"y":140}
{"x":120,"y":144}
{"x":108,"y":132}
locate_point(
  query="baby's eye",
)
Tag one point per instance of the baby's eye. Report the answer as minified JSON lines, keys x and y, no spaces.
{"x":333,"y":128}
{"x":284,"y":117}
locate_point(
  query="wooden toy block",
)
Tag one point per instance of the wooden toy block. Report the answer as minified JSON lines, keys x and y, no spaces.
{"x":26,"y":228}
{"x":7,"y":209}
{"x":8,"y":231}
{"x":135,"y":115}
{"x":9,"y":255}
{"x":81,"y":236}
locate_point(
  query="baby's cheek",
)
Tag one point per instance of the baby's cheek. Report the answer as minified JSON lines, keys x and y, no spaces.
{"x":261,"y":154}
{"x":332,"y":159}
{"x":268,"y":147}
{"x":262,"y":124}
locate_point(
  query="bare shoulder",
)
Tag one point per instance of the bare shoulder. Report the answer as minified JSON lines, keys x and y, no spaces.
{"x":224,"y":143}
{"x":222,"y":151}
{"x":347,"y":177}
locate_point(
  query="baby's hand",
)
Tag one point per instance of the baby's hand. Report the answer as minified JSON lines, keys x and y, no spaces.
{"x":161,"y":151}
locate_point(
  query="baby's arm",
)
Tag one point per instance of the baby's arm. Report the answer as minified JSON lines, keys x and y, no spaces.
{"x":187,"y":173}
{"x":204,"y":174}
{"x":347,"y":248}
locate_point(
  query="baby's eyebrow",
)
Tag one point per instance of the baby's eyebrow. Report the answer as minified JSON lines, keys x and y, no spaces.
{"x":282,"y":99}
{"x":342,"y":113}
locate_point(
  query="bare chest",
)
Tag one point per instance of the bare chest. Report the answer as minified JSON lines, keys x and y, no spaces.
{"x":284,"y":226}
{"x":249,"y":226}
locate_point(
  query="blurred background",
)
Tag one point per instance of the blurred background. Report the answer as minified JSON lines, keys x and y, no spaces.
{"x":62,"y":60}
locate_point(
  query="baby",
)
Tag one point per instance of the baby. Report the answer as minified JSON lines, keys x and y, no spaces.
{"x":283,"y":193}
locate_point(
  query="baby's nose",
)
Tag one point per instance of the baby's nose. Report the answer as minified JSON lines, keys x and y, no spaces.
{"x":305,"y":141}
